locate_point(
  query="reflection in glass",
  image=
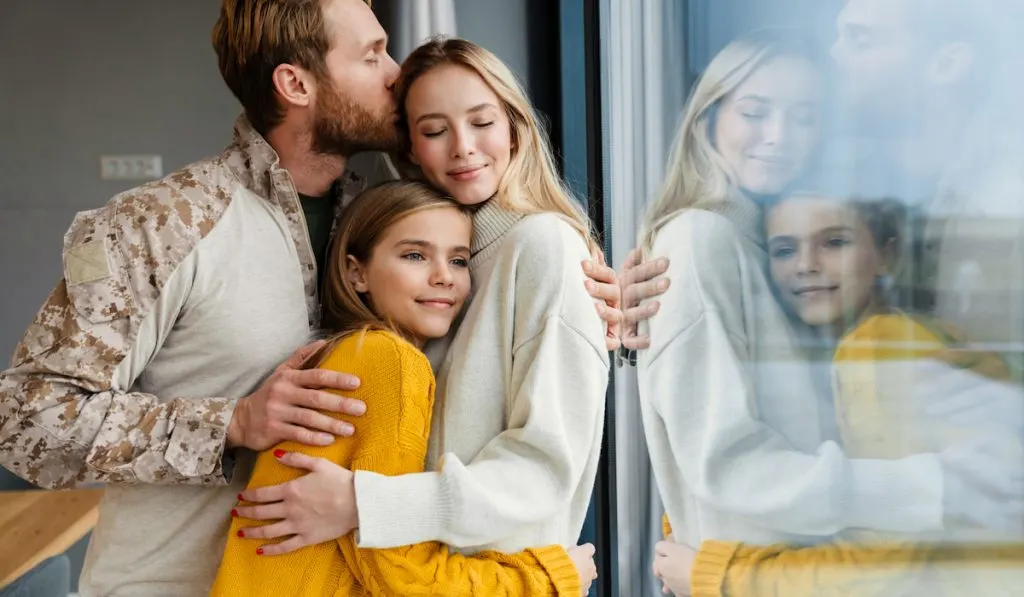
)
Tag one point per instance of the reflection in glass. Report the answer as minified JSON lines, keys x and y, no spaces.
{"x":831,"y":397}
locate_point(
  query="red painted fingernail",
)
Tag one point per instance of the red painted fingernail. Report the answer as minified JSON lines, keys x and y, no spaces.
{"x":240,"y":498}
{"x":241,"y":534}
{"x":278,"y":453}
{"x":234,"y":513}
{"x":259,"y":551}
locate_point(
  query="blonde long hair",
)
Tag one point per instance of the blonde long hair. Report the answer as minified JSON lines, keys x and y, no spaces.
{"x":696,"y":172}
{"x":531,"y":183}
{"x":361,"y":226}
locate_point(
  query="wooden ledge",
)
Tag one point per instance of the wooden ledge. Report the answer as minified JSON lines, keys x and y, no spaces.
{"x":40,"y":524}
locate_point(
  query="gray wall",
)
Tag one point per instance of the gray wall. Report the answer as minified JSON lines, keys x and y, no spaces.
{"x":85,"y":79}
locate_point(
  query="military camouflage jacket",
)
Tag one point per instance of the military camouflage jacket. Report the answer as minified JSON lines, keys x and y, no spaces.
{"x":178,"y":298}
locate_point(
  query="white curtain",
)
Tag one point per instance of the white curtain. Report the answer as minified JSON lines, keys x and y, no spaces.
{"x":643,"y":61}
{"x":415,"y":21}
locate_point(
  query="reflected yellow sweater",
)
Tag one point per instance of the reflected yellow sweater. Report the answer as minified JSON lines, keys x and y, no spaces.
{"x":398,"y":389}
{"x":874,"y":423}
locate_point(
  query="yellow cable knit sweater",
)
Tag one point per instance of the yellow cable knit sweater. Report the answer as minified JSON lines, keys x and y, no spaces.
{"x":875,"y":423}
{"x":398,"y":389}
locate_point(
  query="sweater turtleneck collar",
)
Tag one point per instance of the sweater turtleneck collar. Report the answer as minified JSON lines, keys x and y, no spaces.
{"x":490,"y":224}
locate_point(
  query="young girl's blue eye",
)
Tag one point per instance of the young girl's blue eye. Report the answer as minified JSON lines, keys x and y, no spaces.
{"x":460,"y":262}
{"x":414,"y":256}
{"x":783,"y":253}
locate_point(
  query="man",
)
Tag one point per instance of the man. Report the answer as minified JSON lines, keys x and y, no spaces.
{"x":161,"y":361}
{"x":926,"y":89}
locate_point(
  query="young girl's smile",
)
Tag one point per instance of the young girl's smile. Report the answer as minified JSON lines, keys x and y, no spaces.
{"x":824,"y":260}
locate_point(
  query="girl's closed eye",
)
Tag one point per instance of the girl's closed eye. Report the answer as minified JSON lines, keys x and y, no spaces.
{"x":433,"y":133}
{"x":483,"y":125}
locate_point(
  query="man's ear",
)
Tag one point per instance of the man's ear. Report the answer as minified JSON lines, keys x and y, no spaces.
{"x":294,"y":85}
{"x":356,"y":274}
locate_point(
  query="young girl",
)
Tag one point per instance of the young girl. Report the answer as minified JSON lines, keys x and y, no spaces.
{"x":398,"y":276}
{"x":830,"y":260}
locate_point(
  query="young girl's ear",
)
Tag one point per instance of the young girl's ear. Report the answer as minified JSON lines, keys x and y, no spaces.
{"x":356,"y":274}
{"x":890,"y":255}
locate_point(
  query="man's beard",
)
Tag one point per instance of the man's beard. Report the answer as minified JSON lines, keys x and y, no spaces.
{"x":343,"y":127}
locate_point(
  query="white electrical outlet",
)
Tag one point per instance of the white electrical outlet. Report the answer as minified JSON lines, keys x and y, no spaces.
{"x":131,"y":167}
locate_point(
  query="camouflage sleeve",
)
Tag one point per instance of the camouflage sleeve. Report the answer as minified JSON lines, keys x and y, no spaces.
{"x":66,"y":417}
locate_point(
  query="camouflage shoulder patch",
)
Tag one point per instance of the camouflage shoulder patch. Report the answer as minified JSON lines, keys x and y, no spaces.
{"x":86,"y":262}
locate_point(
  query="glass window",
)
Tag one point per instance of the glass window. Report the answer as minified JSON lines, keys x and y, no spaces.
{"x":828,"y":398}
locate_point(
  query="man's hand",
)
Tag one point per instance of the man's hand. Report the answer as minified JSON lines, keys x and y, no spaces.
{"x":603,"y":286}
{"x":673,"y":565}
{"x":583,"y":557}
{"x":286,"y":407}
{"x":640,"y":281}
{"x":317,"y":507}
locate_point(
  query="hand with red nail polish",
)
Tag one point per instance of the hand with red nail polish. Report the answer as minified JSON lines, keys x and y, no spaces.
{"x":318,"y":506}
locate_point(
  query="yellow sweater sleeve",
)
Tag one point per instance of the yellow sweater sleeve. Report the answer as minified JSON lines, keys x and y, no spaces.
{"x":397,"y":386}
{"x":726,"y":569}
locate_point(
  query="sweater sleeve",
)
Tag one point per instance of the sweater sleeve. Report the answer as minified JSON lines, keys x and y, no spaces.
{"x":724,"y":569}
{"x":397,"y":386}
{"x":727,"y":569}
{"x":558,"y":374}
{"x":429,"y":568}
{"x":699,"y":384}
